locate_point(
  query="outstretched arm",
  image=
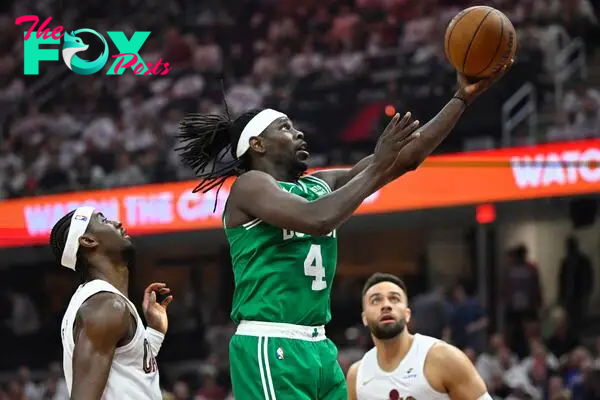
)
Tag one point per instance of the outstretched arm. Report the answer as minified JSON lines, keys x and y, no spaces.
{"x":436,"y":130}
{"x":102,"y":321}
{"x":285,"y":210}
{"x":432,"y":134}
{"x":338,"y":177}
{"x":279,"y":208}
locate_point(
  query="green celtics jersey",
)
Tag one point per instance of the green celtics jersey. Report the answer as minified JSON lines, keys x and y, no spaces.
{"x":281,"y":275}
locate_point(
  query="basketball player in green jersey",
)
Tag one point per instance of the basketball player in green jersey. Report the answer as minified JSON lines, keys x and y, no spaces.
{"x":281,"y":227}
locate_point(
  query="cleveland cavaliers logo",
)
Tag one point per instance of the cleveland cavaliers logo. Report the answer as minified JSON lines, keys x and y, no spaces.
{"x":395,"y":395}
{"x":149,"y":361}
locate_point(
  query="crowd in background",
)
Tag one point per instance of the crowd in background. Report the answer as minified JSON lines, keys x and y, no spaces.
{"x":323,"y":62}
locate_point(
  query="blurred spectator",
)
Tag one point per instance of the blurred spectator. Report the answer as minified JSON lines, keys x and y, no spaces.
{"x":590,"y":385}
{"x":343,"y":24}
{"x":578,"y":362}
{"x":210,"y":389}
{"x":580,"y":18}
{"x":24,"y":318}
{"x":207,"y":55}
{"x":15,"y":391}
{"x":519,"y":387}
{"x":564,"y":130}
{"x":582,"y":103}
{"x":243,"y":96}
{"x":495,"y":362}
{"x":125,"y":173}
{"x":522,"y":296}
{"x":55,"y":387}
{"x":357,"y":341}
{"x":557,"y":390}
{"x":30,"y":389}
{"x":85,"y":176}
{"x":539,"y":365}
{"x":418,"y":30}
{"x":576,"y":282}
{"x":538,"y":354}
{"x":468,"y":322}
{"x":181,"y":391}
{"x":564,"y":338}
{"x":12,"y":87}
{"x":431,"y":303}
{"x":101,"y":131}
{"x":532,"y":376}
{"x":54,"y":178}
{"x":306,"y":61}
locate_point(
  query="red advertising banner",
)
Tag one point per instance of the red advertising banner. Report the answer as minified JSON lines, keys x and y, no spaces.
{"x":560,"y":169}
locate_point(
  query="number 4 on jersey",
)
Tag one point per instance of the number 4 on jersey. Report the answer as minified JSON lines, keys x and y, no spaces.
{"x":313,"y":266}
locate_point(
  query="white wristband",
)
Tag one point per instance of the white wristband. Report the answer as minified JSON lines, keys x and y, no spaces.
{"x":485,"y":396}
{"x":155,"y":340}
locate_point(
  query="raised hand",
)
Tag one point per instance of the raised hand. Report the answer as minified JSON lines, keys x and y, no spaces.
{"x":468,"y":91}
{"x":397,"y":134}
{"x":155,"y":312}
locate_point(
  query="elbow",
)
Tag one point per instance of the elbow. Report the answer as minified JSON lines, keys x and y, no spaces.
{"x":416,"y":160}
{"x":412,"y":161}
{"x":324,"y":230}
{"x":413,"y":165}
{"x":320,"y":227}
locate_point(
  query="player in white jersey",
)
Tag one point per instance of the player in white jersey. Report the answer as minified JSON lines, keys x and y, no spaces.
{"x":403,"y":366}
{"x":107,"y":352}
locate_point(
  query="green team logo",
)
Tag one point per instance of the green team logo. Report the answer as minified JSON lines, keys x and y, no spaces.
{"x":315,"y":333}
{"x":74,"y":45}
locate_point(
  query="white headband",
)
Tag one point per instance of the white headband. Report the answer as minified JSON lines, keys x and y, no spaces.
{"x":255,"y":127}
{"x":79,"y":223}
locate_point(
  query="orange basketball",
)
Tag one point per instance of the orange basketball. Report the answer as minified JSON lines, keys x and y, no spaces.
{"x":479,"y":40}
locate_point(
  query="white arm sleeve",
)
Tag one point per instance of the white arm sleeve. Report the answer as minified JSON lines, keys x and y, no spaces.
{"x":155,"y":339}
{"x":485,"y":396}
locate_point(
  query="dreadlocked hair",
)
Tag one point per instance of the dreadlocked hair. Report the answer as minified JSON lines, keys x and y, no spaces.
{"x":207,"y":139}
{"x":58,"y":241}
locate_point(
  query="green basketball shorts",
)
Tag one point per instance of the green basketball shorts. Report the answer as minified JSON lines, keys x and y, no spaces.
{"x":273,"y":361}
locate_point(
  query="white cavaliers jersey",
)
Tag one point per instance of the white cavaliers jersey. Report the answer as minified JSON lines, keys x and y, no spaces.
{"x":406,"y":382}
{"x":134,"y":373}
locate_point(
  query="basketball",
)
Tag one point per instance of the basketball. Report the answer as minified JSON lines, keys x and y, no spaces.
{"x":479,"y":40}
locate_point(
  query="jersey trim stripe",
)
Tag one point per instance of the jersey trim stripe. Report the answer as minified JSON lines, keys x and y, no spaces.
{"x":260,"y":368}
{"x":252,"y":224}
{"x":303,"y":186}
{"x":268,"y":368}
{"x":320,"y":181}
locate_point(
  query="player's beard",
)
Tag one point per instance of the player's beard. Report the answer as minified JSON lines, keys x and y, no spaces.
{"x":298,"y":168}
{"x":388,"y":331}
